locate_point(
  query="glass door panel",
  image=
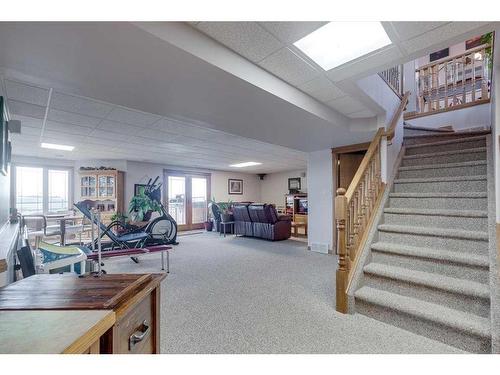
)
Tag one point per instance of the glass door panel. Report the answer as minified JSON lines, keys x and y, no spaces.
{"x":199,"y":203}
{"x":177,"y":198}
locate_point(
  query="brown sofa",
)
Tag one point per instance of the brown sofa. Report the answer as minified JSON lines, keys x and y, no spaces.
{"x":264,"y":222}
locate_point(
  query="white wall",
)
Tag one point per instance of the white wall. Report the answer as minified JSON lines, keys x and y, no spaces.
{"x":320,"y":200}
{"x":466,"y":118}
{"x":274,"y":186}
{"x":495,"y":122}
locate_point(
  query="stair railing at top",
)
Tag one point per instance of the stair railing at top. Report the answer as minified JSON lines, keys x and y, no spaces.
{"x":356,"y":206}
{"x":394,"y":79}
{"x":453,"y":82}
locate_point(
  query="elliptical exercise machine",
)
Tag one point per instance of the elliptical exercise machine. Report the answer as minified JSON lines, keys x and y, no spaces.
{"x":162,"y":229}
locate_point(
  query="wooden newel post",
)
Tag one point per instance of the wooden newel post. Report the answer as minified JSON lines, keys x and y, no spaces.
{"x":342,"y":269}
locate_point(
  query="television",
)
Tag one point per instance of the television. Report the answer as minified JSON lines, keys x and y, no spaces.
{"x":302,"y":207}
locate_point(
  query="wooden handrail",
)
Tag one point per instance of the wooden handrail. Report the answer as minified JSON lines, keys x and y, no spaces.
{"x":355,"y":207}
{"x":397,"y":115}
{"x":454,"y":82}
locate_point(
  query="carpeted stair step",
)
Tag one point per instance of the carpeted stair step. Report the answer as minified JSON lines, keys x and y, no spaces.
{"x":446,"y":145}
{"x":456,"y":328}
{"x":448,"y":263}
{"x":465,"y":168}
{"x":437,"y":200}
{"x":464,"y":295}
{"x":428,"y":138}
{"x":441,"y":184}
{"x":443,"y":157}
{"x":410,"y":130}
{"x":449,"y":219}
{"x":475,"y":242}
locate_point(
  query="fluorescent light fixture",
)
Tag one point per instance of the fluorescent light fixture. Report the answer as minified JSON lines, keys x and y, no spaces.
{"x":54,"y":146}
{"x":245,"y":164}
{"x":339,"y":42}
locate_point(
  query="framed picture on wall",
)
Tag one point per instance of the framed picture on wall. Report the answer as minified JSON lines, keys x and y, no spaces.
{"x":234,"y":186}
{"x":294,"y":184}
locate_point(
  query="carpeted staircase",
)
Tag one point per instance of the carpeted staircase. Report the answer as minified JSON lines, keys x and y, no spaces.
{"x":429,"y":267}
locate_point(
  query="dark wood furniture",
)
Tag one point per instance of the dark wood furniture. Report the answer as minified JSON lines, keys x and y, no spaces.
{"x":135,"y":299}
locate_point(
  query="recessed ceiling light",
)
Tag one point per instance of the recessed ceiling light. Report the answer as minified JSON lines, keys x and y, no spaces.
{"x":339,"y":42}
{"x":54,"y":146}
{"x":245,"y":164}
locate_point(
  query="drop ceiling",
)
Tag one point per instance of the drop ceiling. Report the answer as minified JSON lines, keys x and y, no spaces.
{"x":270,"y":46}
{"x":101,"y":130}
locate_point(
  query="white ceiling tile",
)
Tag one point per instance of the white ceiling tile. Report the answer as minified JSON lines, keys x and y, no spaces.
{"x":289,"y":66}
{"x":28,"y":121}
{"x":26,"y":130}
{"x":25,"y":109}
{"x":26,"y":93}
{"x":132,"y":117}
{"x":290,"y":32}
{"x":246,"y":38}
{"x":73,"y":118}
{"x":322,"y":89}
{"x":97,"y":133}
{"x":407,"y":30}
{"x":66,"y":128}
{"x":346,"y":105}
{"x":118,"y":127}
{"x":440,"y":34}
{"x":83,"y":106}
{"x":369,"y":64}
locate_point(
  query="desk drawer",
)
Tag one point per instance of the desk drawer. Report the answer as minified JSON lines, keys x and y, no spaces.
{"x":134,"y":332}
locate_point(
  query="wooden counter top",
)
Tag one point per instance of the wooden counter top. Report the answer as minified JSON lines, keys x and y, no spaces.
{"x":70,"y":292}
{"x":52,"y":332}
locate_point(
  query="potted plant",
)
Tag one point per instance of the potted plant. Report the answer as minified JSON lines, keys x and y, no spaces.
{"x":225,"y":211}
{"x":120,"y":217}
{"x":141,"y":206}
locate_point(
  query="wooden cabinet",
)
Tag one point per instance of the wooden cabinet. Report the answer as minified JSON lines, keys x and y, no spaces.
{"x":134,"y":299}
{"x":296,"y":205}
{"x":103,"y":190}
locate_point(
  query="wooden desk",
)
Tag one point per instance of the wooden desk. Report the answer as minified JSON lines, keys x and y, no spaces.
{"x":54,"y":331}
{"x":135,"y":299}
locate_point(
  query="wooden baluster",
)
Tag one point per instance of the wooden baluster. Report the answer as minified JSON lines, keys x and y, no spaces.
{"x":342,"y":273}
{"x":473,"y":78}
{"x":464,"y":98}
{"x":446,"y":85}
{"x":454,"y":100}
{"x":484,"y":76}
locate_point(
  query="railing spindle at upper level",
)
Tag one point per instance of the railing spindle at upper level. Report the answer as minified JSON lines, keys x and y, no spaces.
{"x":453,"y":82}
{"x":394,"y":78}
{"x":356,"y":206}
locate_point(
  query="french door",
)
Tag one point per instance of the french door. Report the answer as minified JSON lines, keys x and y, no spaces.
{"x":186,"y":197}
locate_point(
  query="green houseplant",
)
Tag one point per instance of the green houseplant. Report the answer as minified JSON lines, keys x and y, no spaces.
{"x":141,"y":206}
{"x":225,"y":209}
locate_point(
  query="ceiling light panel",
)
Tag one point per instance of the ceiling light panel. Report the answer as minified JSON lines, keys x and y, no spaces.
{"x":339,"y":42}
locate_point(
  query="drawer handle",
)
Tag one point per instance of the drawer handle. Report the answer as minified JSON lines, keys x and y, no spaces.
{"x":139,"y":335}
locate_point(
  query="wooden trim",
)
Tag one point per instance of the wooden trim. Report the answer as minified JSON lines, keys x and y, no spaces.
{"x":188,"y":175}
{"x":365,"y":235}
{"x":414,"y":115}
{"x":448,"y":58}
{"x":395,"y":118}
{"x":89,"y":342}
{"x":364,"y":163}
{"x":3,"y":265}
{"x":351,"y":148}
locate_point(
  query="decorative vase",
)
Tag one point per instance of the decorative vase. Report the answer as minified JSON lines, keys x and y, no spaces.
{"x":209,"y":226}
